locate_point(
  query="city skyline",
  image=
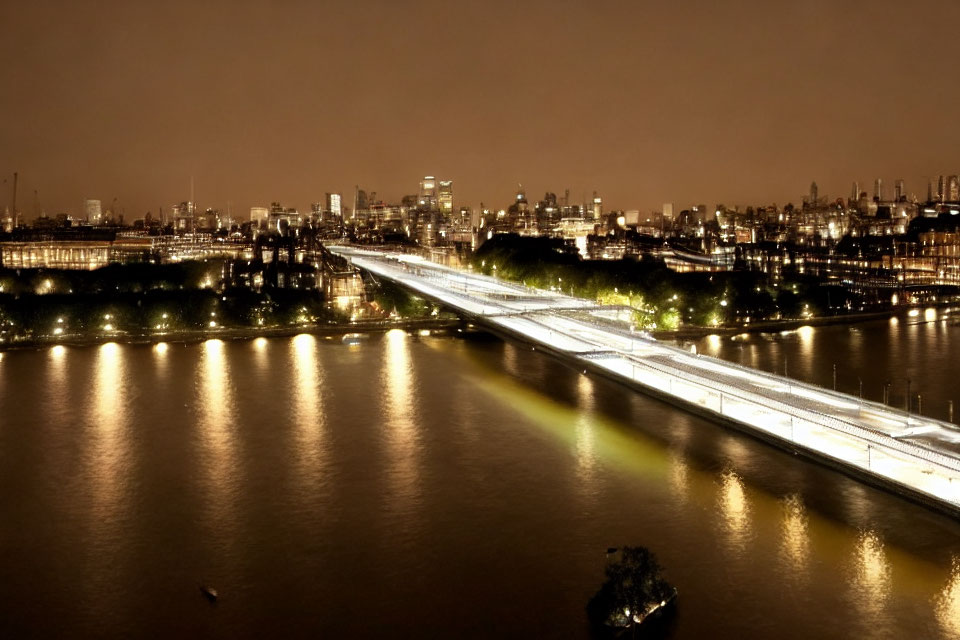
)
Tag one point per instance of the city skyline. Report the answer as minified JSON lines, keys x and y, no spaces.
{"x":644,"y":104}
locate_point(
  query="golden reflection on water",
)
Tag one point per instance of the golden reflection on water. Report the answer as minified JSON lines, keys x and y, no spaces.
{"x":872,"y":572}
{"x":309,"y":415}
{"x":585,"y":437}
{"x":734,"y":511}
{"x":261,"y":357}
{"x":397,"y":380}
{"x":679,"y":476}
{"x":947,"y":602}
{"x":108,"y":458}
{"x":216,"y":429}
{"x":511,"y":359}
{"x":58,"y":399}
{"x":795,"y":539}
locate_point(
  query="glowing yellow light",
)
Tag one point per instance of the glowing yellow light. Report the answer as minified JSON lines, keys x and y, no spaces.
{"x":58,"y":351}
{"x":805,"y":332}
{"x":734,"y":509}
{"x":796,"y":538}
{"x":161,"y":347}
{"x":57,"y":331}
{"x":260,"y":343}
{"x":108,"y":327}
{"x":947,"y":607}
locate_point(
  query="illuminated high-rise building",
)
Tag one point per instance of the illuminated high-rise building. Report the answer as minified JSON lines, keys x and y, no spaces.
{"x":953,"y":189}
{"x":92,"y":210}
{"x":335,"y":204}
{"x":941,"y":189}
{"x":898,"y":194}
{"x":427,"y":198}
{"x":814,"y":194}
{"x":878,"y":189}
{"x":597,"y":206}
{"x":445,"y":196}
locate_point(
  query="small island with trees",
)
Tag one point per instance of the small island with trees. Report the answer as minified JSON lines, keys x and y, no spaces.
{"x":634,"y":592}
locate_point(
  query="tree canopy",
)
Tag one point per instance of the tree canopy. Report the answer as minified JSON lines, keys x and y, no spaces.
{"x":633,"y":590}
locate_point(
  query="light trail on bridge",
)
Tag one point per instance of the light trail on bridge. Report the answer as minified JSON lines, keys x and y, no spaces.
{"x":906,"y":452}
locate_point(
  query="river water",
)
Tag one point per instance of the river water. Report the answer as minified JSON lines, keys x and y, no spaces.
{"x":443,"y":486}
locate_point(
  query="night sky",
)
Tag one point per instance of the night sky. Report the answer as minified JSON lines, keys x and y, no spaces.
{"x":646,"y":102}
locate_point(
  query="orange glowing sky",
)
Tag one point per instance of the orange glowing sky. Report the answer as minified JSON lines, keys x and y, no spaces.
{"x":647,"y":102}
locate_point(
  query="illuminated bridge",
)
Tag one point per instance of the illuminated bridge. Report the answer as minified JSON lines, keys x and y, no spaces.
{"x":913,"y":455}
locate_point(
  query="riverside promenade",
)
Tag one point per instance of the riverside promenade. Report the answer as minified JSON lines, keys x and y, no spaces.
{"x":906,"y":453}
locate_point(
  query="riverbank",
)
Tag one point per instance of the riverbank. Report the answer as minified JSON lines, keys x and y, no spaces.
{"x":188,"y":336}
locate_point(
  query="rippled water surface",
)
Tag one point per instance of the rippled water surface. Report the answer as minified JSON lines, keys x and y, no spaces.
{"x":442,"y":487}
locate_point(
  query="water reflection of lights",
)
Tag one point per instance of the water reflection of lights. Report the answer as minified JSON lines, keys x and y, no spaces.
{"x":796,"y":537}
{"x":58,"y":401}
{"x":307,"y":401}
{"x":108,"y":463}
{"x":872,"y":574}
{"x":947,"y":602}
{"x":510,"y":359}
{"x":679,"y":475}
{"x":260,"y":356}
{"x":216,"y":421}
{"x":585,"y":436}
{"x":160,"y":348}
{"x":734,"y":509}
{"x":398,"y":377}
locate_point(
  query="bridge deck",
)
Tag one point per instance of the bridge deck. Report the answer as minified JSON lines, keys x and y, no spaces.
{"x":905,"y":450}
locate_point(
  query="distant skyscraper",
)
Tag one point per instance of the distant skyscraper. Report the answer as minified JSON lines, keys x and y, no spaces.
{"x":878,"y":189}
{"x":953,"y":190}
{"x":855,"y":193}
{"x":91,"y":208}
{"x":445,"y":196}
{"x":335,"y":204}
{"x":813,"y":194}
{"x":597,"y":206}
{"x":667,"y":211}
{"x":360,"y":202}
{"x":941,"y":190}
{"x":428,"y":193}
{"x":898,"y":193}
